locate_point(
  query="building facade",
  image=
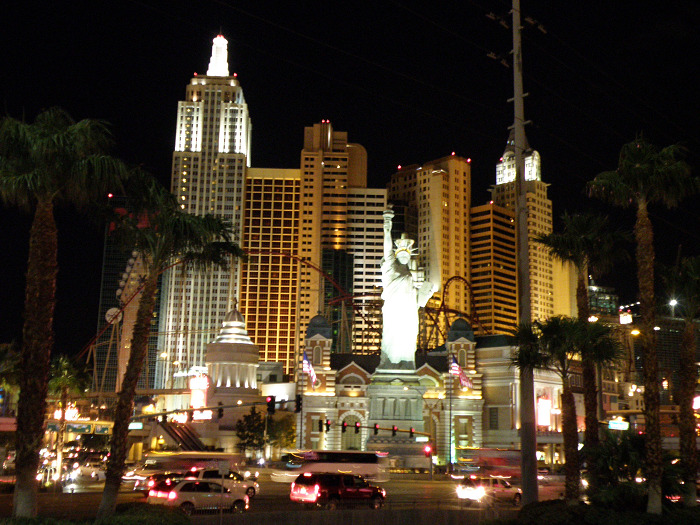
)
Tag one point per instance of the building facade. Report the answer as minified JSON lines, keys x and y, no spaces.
{"x":211,"y":156}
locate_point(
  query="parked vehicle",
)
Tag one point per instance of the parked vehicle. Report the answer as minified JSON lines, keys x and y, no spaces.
{"x":94,"y":469}
{"x":488,"y":489}
{"x":334,"y":490}
{"x":8,"y":464}
{"x":191,"y":496}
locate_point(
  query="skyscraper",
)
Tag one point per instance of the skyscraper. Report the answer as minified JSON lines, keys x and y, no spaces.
{"x":493,"y":269}
{"x":211,"y":156}
{"x":435,"y":199}
{"x":539,"y":209}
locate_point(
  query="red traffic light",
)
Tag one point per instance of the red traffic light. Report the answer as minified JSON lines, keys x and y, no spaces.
{"x":428,"y":449}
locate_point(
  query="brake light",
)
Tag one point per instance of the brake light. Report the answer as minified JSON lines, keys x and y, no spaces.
{"x":150,"y":483}
{"x":152,"y":493}
{"x":292,"y":486}
{"x":172,"y":495}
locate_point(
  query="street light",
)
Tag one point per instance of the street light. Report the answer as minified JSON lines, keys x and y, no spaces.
{"x":672,"y":303}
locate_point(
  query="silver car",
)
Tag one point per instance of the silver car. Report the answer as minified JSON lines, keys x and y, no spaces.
{"x":192,"y":495}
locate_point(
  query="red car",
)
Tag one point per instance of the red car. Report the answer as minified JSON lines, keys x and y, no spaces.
{"x":334,"y":490}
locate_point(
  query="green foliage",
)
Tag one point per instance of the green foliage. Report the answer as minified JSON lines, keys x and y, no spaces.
{"x":556,"y":512}
{"x":145,"y":514}
{"x":251,"y":431}
{"x":282,"y":431}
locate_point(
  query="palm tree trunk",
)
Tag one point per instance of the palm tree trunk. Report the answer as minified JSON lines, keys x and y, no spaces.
{"x":528,"y":436}
{"x":644,"y":236}
{"x":570,"y":435}
{"x":125,"y":402}
{"x":37,"y":343}
{"x":686,"y":417}
{"x":590,"y":392}
{"x":61,"y":432}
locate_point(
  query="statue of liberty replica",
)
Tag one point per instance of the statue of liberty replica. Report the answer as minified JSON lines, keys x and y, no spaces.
{"x":402,"y":299}
{"x":395,"y":395}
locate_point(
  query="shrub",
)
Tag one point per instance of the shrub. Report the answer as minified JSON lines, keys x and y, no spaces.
{"x":145,"y":514}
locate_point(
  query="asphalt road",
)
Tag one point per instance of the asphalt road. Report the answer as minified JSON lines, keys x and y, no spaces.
{"x":273,"y":497}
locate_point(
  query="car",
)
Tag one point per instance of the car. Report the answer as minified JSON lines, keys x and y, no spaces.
{"x":191,"y":495}
{"x":94,"y":469}
{"x":147,"y":484}
{"x":487,"y":489}
{"x":229,"y":479}
{"x":334,"y":490}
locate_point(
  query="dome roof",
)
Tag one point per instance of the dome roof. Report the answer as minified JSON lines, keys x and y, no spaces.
{"x":460,"y":329}
{"x":319,"y":325}
{"x":233,"y":329}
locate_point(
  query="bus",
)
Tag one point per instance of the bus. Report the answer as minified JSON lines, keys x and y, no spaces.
{"x":172,"y":461}
{"x":487,"y":461}
{"x":371,"y":465}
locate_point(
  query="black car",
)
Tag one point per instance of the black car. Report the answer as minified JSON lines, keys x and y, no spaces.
{"x":334,"y":490}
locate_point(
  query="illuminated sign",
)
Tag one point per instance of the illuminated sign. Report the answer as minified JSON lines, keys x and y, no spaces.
{"x":544,"y":410}
{"x":618,"y":424}
{"x":135,"y":425}
{"x":625,"y":318}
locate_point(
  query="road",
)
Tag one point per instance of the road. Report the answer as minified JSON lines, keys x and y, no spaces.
{"x":401,"y":494}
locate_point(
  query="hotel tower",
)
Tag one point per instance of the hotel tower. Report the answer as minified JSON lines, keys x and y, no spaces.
{"x":212,"y":154}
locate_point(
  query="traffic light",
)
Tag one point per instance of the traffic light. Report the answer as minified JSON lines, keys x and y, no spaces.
{"x":345,"y":426}
{"x":393,"y":430}
{"x":270,"y":405}
{"x":410,"y":432}
{"x":298,"y":404}
{"x":428,"y":449}
{"x":220,"y":411}
{"x":320,"y":425}
{"x":376,"y":429}
{"x":328,"y":425}
{"x":357,"y":427}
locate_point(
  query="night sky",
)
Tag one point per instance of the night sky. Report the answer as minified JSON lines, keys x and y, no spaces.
{"x":410,"y":81}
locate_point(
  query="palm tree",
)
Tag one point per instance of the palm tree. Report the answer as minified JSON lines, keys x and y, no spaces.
{"x":50,"y":162}
{"x":65,"y":381}
{"x":686,"y":275}
{"x":526,"y":359}
{"x":590,"y":245}
{"x":559,"y":340}
{"x":645,"y":176}
{"x":9,"y":372}
{"x":163,"y":236}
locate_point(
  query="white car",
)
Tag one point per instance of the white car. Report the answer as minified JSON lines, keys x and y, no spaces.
{"x":94,"y":469}
{"x":191,"y":495}
{"x":488,"y":489}
{"x":229,"y":480}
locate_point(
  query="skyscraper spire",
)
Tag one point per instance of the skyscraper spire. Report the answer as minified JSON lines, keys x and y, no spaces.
{"x":218,"y":63}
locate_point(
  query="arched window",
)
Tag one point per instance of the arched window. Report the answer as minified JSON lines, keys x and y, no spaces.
{"x":462,"y":358}
{"x":318,"y":355}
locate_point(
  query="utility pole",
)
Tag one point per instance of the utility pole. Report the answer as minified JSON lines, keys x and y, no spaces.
{"x":528,"y":434}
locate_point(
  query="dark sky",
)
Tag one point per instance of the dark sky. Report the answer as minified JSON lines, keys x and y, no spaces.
{"x":411,"y":81}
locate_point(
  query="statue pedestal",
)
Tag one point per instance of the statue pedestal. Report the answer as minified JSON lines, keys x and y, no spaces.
{"x":396,"y":399}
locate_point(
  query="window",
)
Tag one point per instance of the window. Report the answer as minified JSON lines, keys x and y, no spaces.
{"x":493,"y":418}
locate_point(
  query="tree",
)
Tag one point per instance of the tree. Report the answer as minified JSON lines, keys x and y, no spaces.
{"x":163,"y":235}
{"x":686,"y":277}
{"x":65,"y":380}
{"x":644,"y":176}
{"x":559,"y":340}
{"x":282,"y":431}
{"x":9,"y":372}
{"x":50,"y":162}
{"x":526,"y":358}
{"x":588,"y":243}
{"x":250,"y":431}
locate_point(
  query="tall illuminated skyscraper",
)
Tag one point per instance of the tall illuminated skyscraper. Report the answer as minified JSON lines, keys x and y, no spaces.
{"x":212,"y":154}
{"x":433,"y":200}
{"x":547,"y":276}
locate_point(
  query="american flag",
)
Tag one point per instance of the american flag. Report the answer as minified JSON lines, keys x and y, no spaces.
{"x":456,"y":370}
{"x":309,"y":369}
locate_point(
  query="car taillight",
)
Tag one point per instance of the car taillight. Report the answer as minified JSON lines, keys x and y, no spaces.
{"x":316,"y":489}
{"x":292,"y":486}
{"x":172,"y":495}
{"x":152,"y":493}
{"x":150,"y":483}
